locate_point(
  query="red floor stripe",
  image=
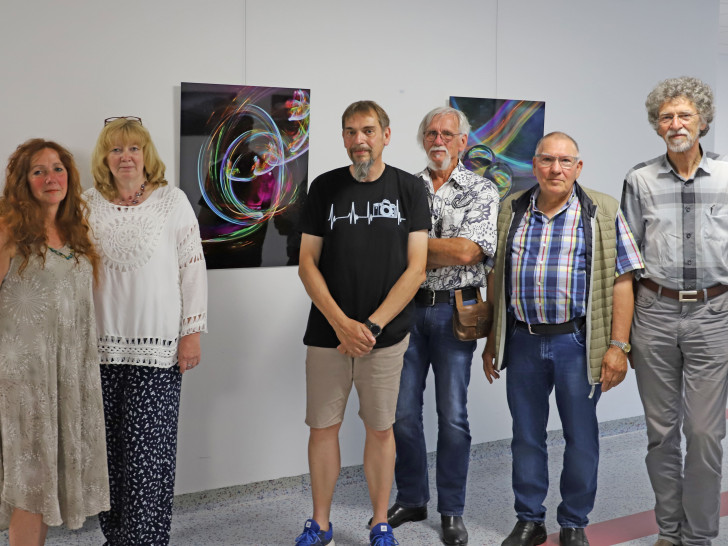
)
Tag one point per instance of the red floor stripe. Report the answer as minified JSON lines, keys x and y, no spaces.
{"x":618,"y":530}
{"x":626,"y":528}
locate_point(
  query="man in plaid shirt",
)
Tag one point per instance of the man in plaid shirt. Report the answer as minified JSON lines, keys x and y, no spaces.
{"x":563,"y":302}
{"x":677,"y":207}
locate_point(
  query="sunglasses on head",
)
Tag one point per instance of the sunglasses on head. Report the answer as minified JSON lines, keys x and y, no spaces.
{"x":130,"y":118}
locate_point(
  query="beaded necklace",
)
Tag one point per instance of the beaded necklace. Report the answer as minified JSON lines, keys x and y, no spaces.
{"x":132,"y":200}
{"x":61,"y":254}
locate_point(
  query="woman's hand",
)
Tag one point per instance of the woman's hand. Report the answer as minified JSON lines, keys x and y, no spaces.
{"x":188,"y":352}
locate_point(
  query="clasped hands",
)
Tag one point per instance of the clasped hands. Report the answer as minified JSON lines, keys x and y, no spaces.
{"x":355,"y":338}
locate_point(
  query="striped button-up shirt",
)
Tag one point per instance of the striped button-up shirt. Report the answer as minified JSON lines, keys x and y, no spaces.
{"x":548,"y":257}
{"x":681,"y":226}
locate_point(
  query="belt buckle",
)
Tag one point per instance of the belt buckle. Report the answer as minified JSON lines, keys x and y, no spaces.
{"x":529,"y":329}
{"x":690,"y":296}
{"x":431,"y":293}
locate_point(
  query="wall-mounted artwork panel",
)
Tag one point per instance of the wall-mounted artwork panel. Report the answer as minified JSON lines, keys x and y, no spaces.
{"x":502,"y":139}
{"x":244,"y":167}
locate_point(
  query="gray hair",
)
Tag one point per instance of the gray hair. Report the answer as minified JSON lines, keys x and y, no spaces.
{"x":463,"y":124}
{"x":687,"y":87}
{"x":555,"y":134}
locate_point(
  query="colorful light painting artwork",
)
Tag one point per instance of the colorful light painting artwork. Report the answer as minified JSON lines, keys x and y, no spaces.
{"x":502,"y":139}
{"x":244,"y":167}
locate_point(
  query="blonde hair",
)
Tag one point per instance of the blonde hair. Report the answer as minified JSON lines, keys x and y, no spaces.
{"x":124,"y":131}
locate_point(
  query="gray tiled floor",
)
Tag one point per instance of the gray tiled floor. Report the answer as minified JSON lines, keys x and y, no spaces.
{"x":273,"y":514}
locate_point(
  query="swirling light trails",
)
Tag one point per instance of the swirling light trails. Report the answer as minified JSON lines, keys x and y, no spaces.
{"x":223,"y":171}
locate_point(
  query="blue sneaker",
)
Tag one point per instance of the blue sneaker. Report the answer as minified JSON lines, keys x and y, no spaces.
{"x":381,"y":535}
{"x":313,"y":535}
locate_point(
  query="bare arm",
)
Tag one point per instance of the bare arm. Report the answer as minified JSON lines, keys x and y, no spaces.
{"x":614,"y":363}
{"x":355,"y":337}
{"x":453,"y":251}
{"x":406,"y":286}
{"x":489,"y":350}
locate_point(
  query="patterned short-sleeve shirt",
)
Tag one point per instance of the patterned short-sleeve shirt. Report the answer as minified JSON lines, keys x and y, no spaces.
{"x":464,"y":206}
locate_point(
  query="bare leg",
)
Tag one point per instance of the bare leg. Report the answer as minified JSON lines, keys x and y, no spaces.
{"x":379,"y":455}
{"x":27,"y":529}
{"x":324,"y":463}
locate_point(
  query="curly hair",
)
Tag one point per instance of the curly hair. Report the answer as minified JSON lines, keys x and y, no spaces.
{"x":22,"y":215}
{"x":687,"y":87}
{"x":124,"y":131}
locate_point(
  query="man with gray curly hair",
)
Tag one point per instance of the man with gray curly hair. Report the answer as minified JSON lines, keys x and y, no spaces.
{"x":677,"y":207}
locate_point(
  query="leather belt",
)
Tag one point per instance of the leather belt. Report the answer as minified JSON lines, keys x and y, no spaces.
{"x":550,"y":329}
{"x":428,"y":297}
{"x":685,"y":295}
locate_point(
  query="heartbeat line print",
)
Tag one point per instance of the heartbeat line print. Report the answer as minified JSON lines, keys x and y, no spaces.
{"x":385,"y":209}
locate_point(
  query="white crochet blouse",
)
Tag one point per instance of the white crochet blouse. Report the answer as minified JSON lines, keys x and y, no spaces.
{"x":153,"y":288}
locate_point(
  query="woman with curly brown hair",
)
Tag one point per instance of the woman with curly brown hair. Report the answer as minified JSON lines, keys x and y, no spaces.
{"x":53,"y":459}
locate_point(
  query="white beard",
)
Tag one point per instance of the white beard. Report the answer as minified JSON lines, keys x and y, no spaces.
{"x":439,"y":165}
{"x":678,"y":147}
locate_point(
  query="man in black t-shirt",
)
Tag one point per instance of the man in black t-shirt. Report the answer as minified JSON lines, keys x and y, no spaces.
{"x":363,"y":255}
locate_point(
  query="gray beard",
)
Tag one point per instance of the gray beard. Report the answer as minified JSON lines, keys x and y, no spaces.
{"x":434,"y":166}
{"x":679,"y":148}
{"x":361,"y":170}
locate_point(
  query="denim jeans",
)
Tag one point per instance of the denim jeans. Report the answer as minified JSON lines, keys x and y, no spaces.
{"x":432,"y":343}
{"x":538,"y":364}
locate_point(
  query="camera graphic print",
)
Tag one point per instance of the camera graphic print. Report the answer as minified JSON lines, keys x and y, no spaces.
{"x":385,"y":209}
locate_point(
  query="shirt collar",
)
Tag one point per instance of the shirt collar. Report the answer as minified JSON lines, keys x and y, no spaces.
{"x":459,"y":175}
{"x":666,"y":167}
{"x":569,"y":202}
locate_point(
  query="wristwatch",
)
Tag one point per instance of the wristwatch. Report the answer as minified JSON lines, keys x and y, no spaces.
{"x":626,"y":347}
{"x":375,"y":329}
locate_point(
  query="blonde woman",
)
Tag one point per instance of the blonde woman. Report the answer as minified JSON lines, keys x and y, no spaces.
{"x":150,"y":311}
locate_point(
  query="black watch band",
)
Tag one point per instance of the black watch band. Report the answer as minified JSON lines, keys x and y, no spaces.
{"x":375,"y":329}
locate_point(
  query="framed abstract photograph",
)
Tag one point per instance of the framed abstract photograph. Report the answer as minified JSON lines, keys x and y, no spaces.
{"x":244,"y":167}
{"x":502,"y":139}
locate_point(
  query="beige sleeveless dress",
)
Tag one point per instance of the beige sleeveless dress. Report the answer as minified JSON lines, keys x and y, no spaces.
{"x":52,"y":438}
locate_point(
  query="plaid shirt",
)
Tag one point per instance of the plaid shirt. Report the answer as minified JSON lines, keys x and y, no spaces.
{"x":681,"y":226}
{"x":548,"y":273}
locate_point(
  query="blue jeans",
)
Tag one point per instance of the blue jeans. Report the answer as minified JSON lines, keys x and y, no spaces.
{"x":433,"y":343}
{"x":536,"y":365}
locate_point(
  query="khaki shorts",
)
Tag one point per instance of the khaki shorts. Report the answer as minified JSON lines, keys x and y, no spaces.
{"x":329,"y":376}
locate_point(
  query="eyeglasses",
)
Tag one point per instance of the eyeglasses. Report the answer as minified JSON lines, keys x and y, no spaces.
{"x":446,"y":136}
{"x":130,"y":118}
{"x":684,"y":117}
{"x":566,"y":161}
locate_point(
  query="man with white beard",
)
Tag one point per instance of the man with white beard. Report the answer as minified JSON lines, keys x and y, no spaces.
{"x":464,"y":208}
{"x":677,"y":208}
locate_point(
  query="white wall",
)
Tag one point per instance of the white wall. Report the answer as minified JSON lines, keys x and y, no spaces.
{"x":65,"y":69}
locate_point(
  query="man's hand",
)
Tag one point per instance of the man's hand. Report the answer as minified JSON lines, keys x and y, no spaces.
{"x":355,"y":338}
{"x":489,"y":361}
{"x":614,"y":368}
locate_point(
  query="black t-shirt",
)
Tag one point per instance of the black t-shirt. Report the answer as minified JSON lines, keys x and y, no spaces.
{"x":365,"y":228}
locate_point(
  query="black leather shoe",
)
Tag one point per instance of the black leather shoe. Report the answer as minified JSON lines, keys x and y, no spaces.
{"x":397,"y":515}
{"x":573,"y":536}
{"x":454,"y":532}
{"x":526,"y":533}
